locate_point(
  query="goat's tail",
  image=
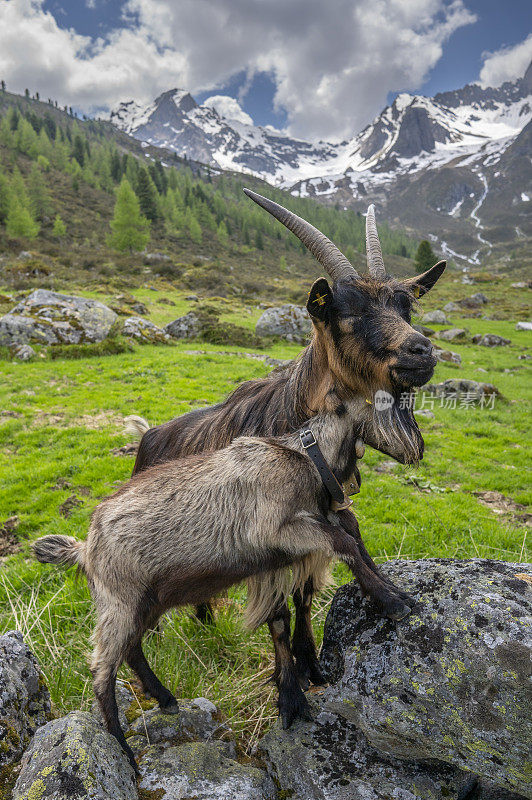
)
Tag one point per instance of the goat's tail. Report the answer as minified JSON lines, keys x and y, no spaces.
{"x":136,"y":426}
{"x":58,"y":549}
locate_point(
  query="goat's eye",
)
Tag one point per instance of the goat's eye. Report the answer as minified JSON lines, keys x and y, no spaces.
{"x":403,"y":305}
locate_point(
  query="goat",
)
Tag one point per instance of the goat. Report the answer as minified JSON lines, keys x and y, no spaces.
{"x":362,"y":342}
{"x":183,"y":530}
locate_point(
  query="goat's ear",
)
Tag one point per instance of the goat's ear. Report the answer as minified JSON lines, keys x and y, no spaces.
{"x":319,"y":300}
{"x":421,"y":284}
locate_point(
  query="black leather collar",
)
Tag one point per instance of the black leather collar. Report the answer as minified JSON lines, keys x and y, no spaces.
{"x":329,"y":480}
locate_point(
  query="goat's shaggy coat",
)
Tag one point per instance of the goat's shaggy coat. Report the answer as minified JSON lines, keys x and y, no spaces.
{"x":184,"y":530}
{"x":362,"y":342}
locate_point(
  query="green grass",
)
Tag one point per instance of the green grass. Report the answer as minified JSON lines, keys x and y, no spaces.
{"x":61,"y":419}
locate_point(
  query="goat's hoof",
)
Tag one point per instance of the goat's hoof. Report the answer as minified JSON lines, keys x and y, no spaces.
{"x":168,"y":703}
{"x":296,"y":708}
{"x":173,"y":708}
{"x":405,"y":597}
{"x":398,"y":611}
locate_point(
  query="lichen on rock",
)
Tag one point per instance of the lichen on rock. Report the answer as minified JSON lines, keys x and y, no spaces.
{"x":24,"y":698}
{"x":75,"y":757}
{"x":451,"y":682}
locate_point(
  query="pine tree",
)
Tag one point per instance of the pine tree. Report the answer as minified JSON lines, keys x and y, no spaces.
{"x":19,"y":221}
{"x":425,"y":257}
{"x":130,"y":229}
{"x":40,"y":202}
{"x":59,"y":228}
{"x":5,"y":197}
{"x":259,"y":241}
{"x":116,"y":167}
{"x":78,"y":150}
{"x":193,"y":226}
{"x":223,"y":236}
{"x":147,"y":195}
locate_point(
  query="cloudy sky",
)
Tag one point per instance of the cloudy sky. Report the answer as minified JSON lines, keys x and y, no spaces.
{"x":317,"y":68}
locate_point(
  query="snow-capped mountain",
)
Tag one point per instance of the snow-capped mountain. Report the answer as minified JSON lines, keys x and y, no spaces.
{"x":429,"y":162}
{"x":175,"y":121}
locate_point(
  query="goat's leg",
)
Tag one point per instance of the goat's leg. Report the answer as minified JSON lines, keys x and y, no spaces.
{"x":346,"y":547}
{"x":303,"y":644}
{"x":205,"y":613}
{"x":349,"y":523}
{"x":113,"y":641}
{"x":150,"y":682}
{"x":292,"y":701}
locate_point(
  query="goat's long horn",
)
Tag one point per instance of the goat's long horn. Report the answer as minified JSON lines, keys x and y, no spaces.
{"x":328,"y":255}
{"x":373,"y":246}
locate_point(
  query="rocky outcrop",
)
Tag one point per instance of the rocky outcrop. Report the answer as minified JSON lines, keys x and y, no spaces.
{"x":451,"y":682}
{"x":290,"y":322}
{"x":331,"y":759}
{"x":24,"y":698}
{"x":46,"y":317}
{"x":75,"y":757}
{"x":447,"y":355}
{"x":454,"y":387}
{"x":454,"y":335}
{"x":203,"y":771}
{"x":451,"y":307}
{"x":187,"y":327}
{"x":434,"y":317}
{"x":22,"y":352}
{"x":523,"y":326}
{"x":144,"y":330}
{"x":424,"y":330}
{"x":490,"y":340}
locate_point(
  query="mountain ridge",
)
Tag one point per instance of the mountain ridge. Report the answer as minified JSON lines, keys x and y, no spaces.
{"x":464,"y":131}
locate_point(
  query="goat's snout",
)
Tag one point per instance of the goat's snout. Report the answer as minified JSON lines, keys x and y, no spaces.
{"x":418,"y":345}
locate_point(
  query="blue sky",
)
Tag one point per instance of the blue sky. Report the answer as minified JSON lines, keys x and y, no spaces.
{"x":318,"y":69}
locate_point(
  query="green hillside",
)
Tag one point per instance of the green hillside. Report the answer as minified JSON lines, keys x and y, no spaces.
{"x":58,"y":182}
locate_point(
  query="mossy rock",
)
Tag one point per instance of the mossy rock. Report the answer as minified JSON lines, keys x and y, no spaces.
{"x":450,"y":682}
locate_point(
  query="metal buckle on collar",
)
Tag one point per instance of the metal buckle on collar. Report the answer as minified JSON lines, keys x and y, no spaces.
{"x":304,"y":436}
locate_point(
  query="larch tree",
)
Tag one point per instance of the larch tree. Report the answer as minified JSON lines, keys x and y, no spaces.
{"x":130,"y":229}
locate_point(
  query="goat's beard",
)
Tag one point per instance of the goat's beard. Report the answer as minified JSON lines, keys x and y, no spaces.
{"x":394,"y":430}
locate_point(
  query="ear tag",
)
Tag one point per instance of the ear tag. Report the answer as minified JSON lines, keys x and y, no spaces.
{"x":416,"y":291}
{"x":320,"y":300}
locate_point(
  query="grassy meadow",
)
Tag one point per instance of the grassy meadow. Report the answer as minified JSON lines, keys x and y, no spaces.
{"x":60,"y":440}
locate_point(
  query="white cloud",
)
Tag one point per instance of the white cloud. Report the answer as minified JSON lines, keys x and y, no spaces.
{"x":506,"y":64}
{"x":228,"y":108}
{"x":333,"y":62}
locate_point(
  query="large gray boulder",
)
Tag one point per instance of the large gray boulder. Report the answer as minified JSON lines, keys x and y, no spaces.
{"x":203,"y":771}
{"x":523,"y":326}
{"x":434,"y":317}
{"x":490,"y":340}
{"x":24,"y":698}
{"x":331,"y":759}
{"x":290,"y":322}
{"x":186,"y":327}
{"x":452,"y":681}
{"x":144,"y":330}
{"x":457,"y":387}
{"x":75,"y":757}
{"x":46,"y":317}
{"x":447,"y":355}
{"x":145,"y":723}
{"x":453,"y":335}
